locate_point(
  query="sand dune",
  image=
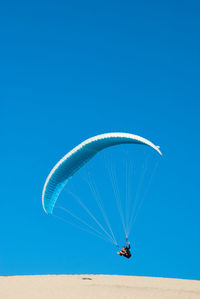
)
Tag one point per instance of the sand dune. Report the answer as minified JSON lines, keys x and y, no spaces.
{"x":96,"y":287}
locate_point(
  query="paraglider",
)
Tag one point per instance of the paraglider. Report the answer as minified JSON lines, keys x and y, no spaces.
{"x":125,"y":251}
{"x":64,"y":170}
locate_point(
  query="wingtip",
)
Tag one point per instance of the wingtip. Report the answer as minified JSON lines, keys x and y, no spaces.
{"x":158,"y":148}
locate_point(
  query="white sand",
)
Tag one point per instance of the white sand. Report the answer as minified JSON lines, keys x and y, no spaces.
{"x":96,"y":287}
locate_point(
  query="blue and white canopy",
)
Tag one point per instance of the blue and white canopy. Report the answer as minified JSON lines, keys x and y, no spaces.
{"x":79,"y":156}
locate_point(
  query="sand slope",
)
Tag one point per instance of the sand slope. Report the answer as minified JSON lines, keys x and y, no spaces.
{"x":96,"y":287}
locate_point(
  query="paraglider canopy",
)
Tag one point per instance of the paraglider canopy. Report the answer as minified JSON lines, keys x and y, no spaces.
{"x":78,"y":157}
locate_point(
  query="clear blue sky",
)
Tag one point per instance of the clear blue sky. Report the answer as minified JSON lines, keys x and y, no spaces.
{"x":74,"y":69}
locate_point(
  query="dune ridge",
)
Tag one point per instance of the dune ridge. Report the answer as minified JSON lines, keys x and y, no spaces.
{"x":96,"y":287}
